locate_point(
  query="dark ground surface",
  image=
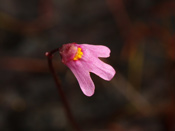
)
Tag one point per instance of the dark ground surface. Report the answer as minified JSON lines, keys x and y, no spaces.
{"x":141,"y":37}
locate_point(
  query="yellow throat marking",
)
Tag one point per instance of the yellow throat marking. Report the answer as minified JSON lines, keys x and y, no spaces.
{"x":78,"y":55}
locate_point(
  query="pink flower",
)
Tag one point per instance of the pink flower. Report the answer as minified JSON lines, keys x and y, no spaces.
{"x":83,"y":59}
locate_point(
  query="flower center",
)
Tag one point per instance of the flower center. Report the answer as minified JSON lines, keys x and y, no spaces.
{"x":78,"y":55}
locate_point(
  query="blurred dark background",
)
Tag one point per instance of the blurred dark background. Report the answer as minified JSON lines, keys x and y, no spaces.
{"x":141,"y":36}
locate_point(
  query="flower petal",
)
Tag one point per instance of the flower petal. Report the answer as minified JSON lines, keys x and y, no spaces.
{"x":102,"y":69}
{"x":97,"y":50}
{"x":82,"y":74}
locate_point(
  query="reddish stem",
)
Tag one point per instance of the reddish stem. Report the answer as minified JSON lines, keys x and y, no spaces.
{"x":60,"y":90}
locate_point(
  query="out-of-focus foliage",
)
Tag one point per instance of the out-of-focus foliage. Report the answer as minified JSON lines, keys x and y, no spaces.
{"x":141,"y":35}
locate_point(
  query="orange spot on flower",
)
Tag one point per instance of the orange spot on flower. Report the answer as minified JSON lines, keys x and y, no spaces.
{"x":78,"y":55}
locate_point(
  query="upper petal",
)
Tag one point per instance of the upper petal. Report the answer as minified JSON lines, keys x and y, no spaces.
{"x":97,"y":50}
{"x":82,"y":74}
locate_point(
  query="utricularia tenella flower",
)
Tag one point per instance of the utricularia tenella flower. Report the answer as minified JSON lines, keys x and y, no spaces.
{"x":83,"y":59}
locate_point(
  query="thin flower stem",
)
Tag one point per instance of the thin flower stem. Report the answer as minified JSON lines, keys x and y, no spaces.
{"x":60,"y":90}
